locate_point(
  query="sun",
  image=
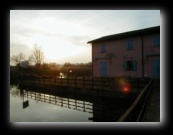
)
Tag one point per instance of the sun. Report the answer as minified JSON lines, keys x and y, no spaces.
{"x":61,"y":50}
{"x":62,"y":39}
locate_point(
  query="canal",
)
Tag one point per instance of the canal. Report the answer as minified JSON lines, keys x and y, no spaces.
{"x":28,"y":105}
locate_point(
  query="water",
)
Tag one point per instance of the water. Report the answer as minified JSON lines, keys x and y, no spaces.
{"x":39,"y":111}
{"x":36,"y":106}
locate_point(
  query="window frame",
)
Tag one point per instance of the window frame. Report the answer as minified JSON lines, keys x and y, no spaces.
{"x":156,"y":41}
{"x":130,"y":65}
{"x":102,"y":48}
{"x":129,"y":44}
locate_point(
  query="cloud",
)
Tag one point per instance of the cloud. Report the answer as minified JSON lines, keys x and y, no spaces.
{"x":17,"y":48}
{"x":65,"y":28}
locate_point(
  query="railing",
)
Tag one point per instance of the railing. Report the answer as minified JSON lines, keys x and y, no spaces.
{"x":136,"y":112}
{"x":101,"y":83}
{"x":69,"y":81}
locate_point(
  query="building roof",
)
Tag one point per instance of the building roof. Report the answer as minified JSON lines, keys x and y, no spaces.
{"x":140,"y":32}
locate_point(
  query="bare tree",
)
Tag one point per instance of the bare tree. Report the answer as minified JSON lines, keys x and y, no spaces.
{"x":17,"y":58}
{"x":38,"y":55}
{"x":30,"y":59}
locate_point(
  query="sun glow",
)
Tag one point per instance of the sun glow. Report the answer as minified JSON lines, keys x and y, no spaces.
{"x":58,"y":52}
{"x":56,"y":48}
{"x":59,"y":40}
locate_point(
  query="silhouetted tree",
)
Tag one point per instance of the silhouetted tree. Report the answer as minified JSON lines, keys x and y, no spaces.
{"x":17,"y":58}
{"x":30,"y":59}
{"x":37,"y":55}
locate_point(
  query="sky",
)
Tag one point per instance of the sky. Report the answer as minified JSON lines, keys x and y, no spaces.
{"x":63,"y":34}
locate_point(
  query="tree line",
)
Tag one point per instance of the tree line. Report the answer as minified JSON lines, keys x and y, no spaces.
{"x":36,"y":57}
{"x":36,"y":65}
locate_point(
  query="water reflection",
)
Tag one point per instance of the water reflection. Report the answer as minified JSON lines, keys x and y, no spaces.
{"x":92,"y":108}
{"x":59,"y":101}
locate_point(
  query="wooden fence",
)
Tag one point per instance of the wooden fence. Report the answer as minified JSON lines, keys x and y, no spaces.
{"x":101,"y":83}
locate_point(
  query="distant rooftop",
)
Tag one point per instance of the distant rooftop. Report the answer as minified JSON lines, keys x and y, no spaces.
{"x":127,"y":34}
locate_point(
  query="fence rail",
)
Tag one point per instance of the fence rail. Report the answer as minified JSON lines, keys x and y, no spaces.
{"x":102,"y":83}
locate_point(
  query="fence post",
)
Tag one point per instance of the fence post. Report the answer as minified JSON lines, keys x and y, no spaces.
{"x":75,"y":104}
{"x":84,"y":106}
{"x":39,"y":79}
{"x":138,"y":84}
{"x":61,"y":80}
{"x":67,"y":80}
{"x":68,"y":103}
{"x":61,"y":101}
{"x":102,"y":83}
{"x":92,"y":82}
{"x":83,"y":81}
{"x":75,"y":81}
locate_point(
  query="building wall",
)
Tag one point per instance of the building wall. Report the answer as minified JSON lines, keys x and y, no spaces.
{"x":115,"y":65}
{"x":150,"y":49}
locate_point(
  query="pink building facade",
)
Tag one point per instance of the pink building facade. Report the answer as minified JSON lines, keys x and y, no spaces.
{"x":134,"y":53}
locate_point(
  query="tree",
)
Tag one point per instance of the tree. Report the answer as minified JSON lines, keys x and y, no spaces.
{"x":18,"y":58}
{"x":30,"y":59}
{"x":38,"y":55}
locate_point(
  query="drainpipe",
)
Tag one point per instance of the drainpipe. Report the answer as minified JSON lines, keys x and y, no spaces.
{"x":142,"y":57}
{"x":92,"y":59}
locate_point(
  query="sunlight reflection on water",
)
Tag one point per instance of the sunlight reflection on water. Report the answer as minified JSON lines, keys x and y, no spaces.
{"x":38,"y":111}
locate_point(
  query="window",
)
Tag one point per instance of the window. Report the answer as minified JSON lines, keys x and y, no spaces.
{"x":102,"y":48}
{"x":103,"y":69}
{"x":156,"y":41}
{"x":129,"y":44}
{"x":130,"y":65}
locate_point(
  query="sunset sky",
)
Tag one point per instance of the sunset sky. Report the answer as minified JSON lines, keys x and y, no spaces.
{"x":63,"y":34}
